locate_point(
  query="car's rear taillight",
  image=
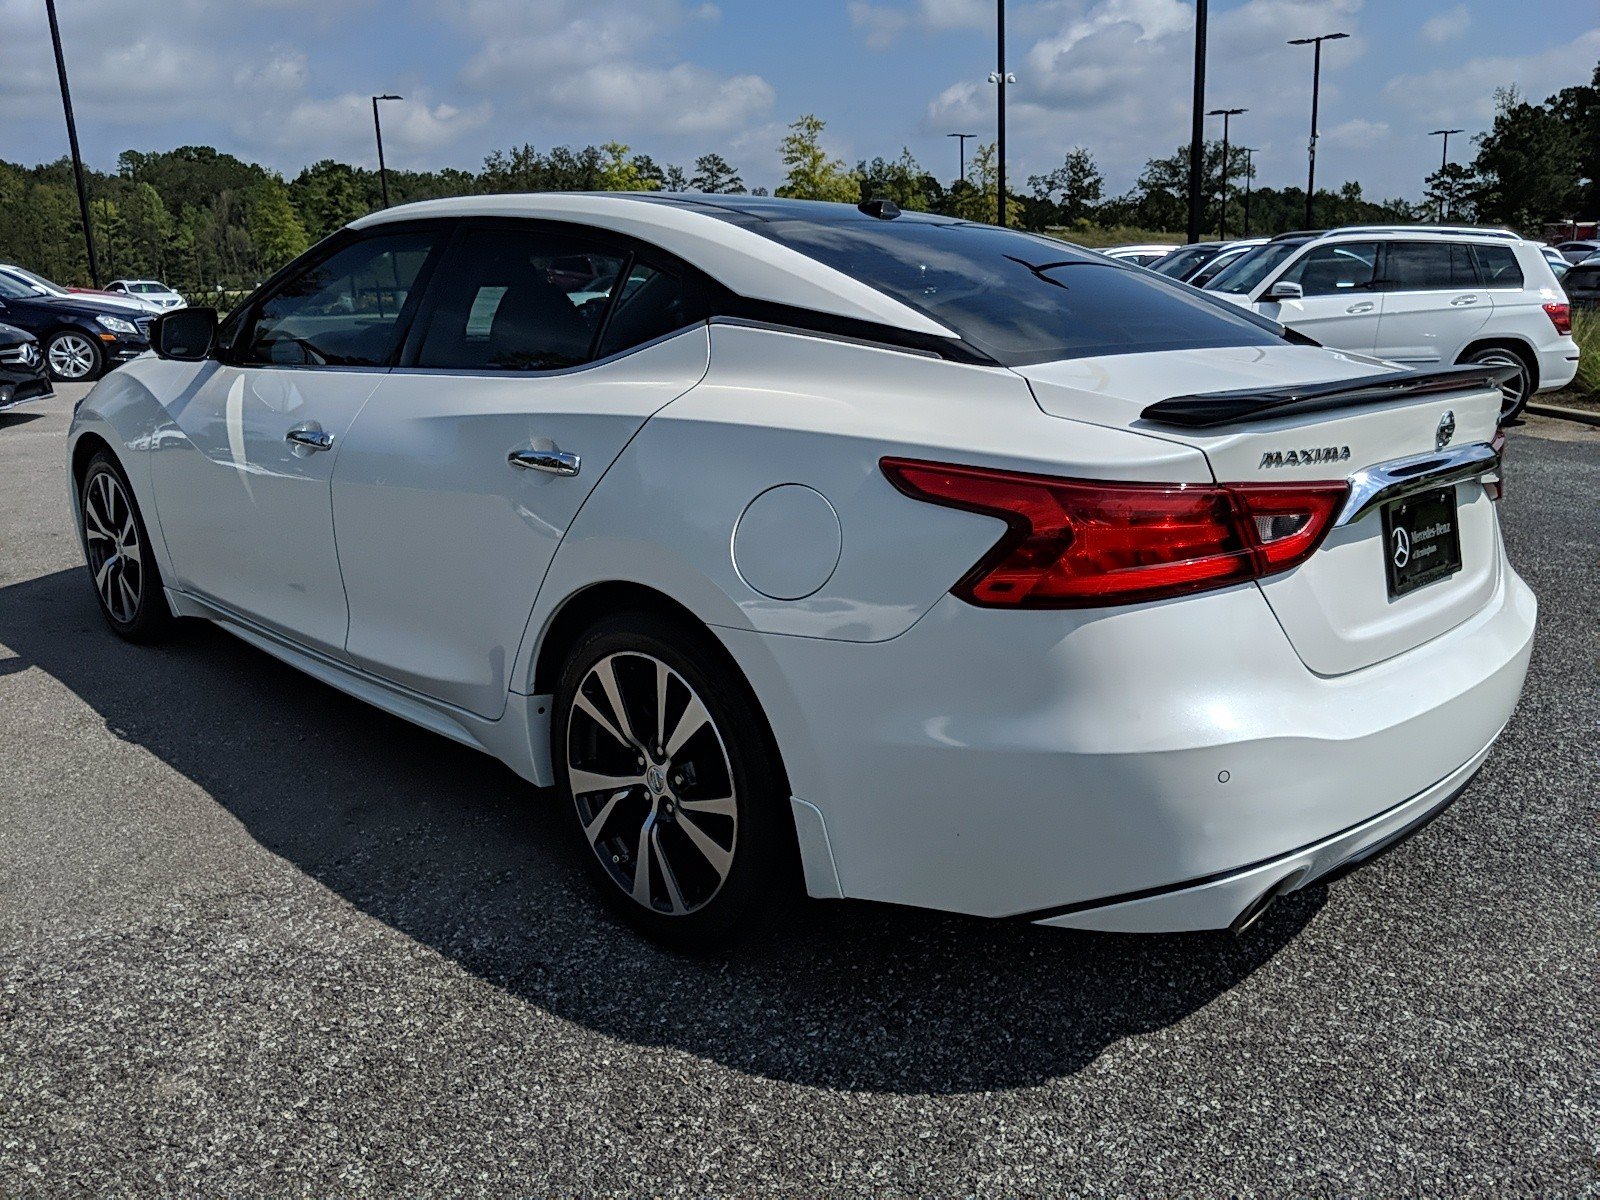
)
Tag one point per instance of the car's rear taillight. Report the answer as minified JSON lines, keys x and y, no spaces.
{"x":1079,"y":543}
{"x":1561,"y":317}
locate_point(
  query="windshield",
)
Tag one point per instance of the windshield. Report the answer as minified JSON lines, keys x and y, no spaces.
{"x":1180,"y":262}
{"x":1245,"y":272}
{"x":39,"y":281}
{"x":149,"y":288}
{"x":1019,"y":298}
{"x":12,"y":288}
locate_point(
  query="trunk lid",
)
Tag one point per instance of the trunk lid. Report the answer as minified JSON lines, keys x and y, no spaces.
{"x":1335,"y":608}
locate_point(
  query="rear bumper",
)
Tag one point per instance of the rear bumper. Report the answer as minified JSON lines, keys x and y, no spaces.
{"x":18,"y":387}
{"x":1558,"y":365}
{"x":1042,"y":764}
{"x":1219,"y":901}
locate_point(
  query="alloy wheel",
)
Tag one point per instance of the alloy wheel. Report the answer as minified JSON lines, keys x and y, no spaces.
{"x":116,"y":557}
{"x":652,"y":782}
{"x":71,"y":356}
{"x":1515,"y":390}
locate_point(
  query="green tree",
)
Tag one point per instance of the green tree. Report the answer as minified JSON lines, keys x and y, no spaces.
{"x":275,"y":229}
{"x":1067,"y":195}
{"x":1530,"y":160}
{"x":146,"y":230}
{"x":980,"y":199}
{"x":714,"y":176}
{"x":620,"y":172}
{"x":812,"y":174}
{"x":902,"y":180}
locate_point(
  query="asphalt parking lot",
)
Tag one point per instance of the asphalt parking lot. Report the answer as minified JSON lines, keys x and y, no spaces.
{"x":257,"y":937}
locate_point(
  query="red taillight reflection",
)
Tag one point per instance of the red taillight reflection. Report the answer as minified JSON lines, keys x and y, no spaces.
{"x":1560,"y":316}
{"x":1075,"y":543}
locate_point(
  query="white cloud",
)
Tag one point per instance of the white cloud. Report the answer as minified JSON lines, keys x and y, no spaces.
{"x":596,"y":62}
{"x":1447,"y":26}
{"x":882,"y":24}
{"x":1465,"y":93}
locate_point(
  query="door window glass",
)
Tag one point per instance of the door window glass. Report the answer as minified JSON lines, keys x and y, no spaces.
{"x":1498,"y":266}
{"x":518,"y":300}
{"x":1334,"y":270}
{"x":1428,"y":266}
{"x":651,"y":303}
{"x":344,"y":311}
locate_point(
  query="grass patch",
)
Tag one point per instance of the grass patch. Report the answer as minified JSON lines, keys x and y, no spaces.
{"x":1586,"y":332}
{"x":1097,"y":237}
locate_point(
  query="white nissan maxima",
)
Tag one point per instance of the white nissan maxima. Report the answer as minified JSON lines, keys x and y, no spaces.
{"x":798,"y":545}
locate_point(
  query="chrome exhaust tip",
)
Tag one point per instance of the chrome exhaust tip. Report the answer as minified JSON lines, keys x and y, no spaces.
{"x":1257,"y":908}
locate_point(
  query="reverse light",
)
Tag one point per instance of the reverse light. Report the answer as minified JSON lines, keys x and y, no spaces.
{"x":1561,"y":317}
{"x":1078,"y":543}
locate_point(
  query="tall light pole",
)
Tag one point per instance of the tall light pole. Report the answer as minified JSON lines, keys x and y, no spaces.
{"x":1249,"y":170}
{"x":1222,"y":213}
{"x":1197,"y":123}
{"x":1444,"y":161}
{"x":1000,"y":78}
{"x":1316,"y":90}
{"x":963,"y":152}
{"x":72,"y":142}
{"x":377,"y":128}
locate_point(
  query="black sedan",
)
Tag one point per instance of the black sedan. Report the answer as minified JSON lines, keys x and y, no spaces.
{"x":22,"y":371}
{"x":81,"y":337}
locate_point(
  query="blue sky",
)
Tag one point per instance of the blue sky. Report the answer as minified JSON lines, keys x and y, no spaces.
{"x":286,"y":81}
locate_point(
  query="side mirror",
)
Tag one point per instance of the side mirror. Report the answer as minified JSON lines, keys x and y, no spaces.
{"x":184,"y":334}
{"x":1284,"y":290}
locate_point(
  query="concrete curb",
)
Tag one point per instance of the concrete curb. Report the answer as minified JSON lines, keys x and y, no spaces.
{"x":1586,"y":416}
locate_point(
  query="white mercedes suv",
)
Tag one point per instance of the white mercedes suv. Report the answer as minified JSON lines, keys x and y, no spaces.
{"x":811,"y":546}
{"x":1420,"y":296}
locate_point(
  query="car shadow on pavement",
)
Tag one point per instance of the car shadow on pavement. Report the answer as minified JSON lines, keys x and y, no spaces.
{"x":450,"y":848}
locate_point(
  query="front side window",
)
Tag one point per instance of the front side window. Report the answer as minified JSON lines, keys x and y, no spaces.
{"x":1428,"y":267}
{"x":518,"y":300}
{"x":1335,"y":270}
{"x":341,"y":311}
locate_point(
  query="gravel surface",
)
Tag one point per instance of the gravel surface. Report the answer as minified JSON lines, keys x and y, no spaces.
{"x":256,"y":937}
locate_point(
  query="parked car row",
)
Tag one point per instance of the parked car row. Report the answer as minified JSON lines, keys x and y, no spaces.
{"x":1419,"y":296}
{"x":82,"y":334}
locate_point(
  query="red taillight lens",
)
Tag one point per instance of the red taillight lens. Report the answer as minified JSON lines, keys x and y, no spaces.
{"x":1560,"y":316}
{"x":1077,"y":543}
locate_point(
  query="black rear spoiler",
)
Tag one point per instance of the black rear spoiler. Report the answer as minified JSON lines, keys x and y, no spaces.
{"x":1208,"y":409}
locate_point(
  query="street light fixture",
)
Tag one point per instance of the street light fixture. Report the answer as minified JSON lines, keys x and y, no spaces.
{"x":72,"y":142}
{"x":1316,"y":89}
{"x":377,"y":128}
{"x":963,"y":151}
{"x":1222,"y":213}
{"x":1444,"y":161}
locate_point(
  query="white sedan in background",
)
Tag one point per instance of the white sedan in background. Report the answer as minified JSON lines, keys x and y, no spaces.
{"x":150,"y":291}
{"x":880,"y":555}
{"x":1141,"y":255}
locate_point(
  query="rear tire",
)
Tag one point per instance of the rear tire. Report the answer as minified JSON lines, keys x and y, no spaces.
{"x":116,"y":549}
{"x":678,"y":801}
{"x":1516,"y":393}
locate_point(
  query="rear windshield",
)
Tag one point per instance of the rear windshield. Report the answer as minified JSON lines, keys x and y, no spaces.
{"x":1244,"y":273}
{"x":1018,"y":298}
{"x":1180,"y":262}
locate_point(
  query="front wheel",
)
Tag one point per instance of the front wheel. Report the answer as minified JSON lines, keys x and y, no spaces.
{"x":73,"y":357}
{"x":678,"y":799}
{"x":116,"y":547}
{"x":1516,"y":391}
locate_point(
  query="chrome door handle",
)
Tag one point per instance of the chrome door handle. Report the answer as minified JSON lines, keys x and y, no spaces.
{"x":309,"y":439}
{"x":553,"y":462}
{"x":1364,"y":306}
{"x":1460,"y":300}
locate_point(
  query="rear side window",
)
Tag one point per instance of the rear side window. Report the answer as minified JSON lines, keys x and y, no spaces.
{"x":1017,"y":297}
{"x":650,"y":304}
{"x":1336,"y":269}
{"x":1428,"y":266}
{"x":1498,"y":267}
{"x":518,"y":300}
{"x":341,"y":311}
